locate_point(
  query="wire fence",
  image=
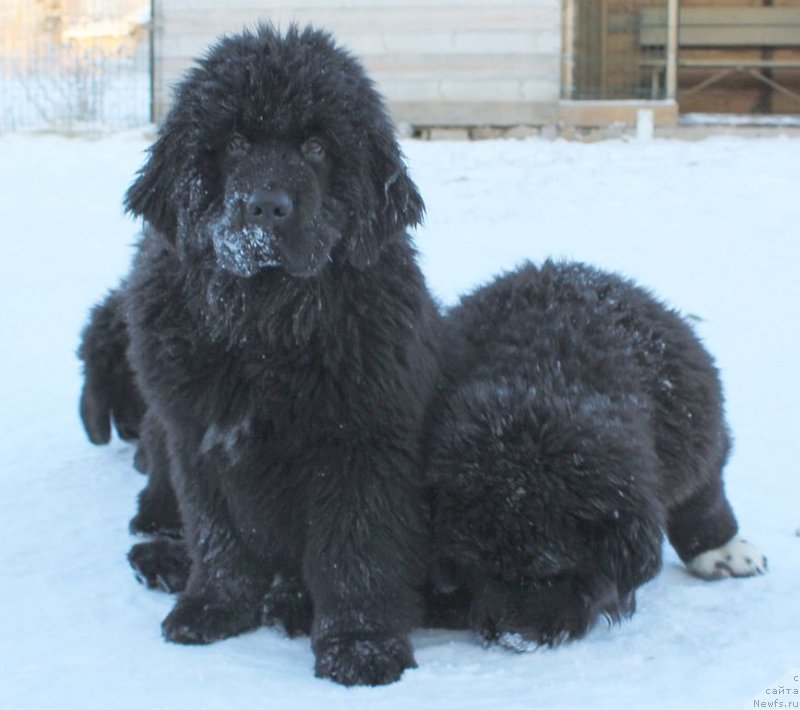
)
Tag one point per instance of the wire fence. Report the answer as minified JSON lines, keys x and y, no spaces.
{"x":609,"y":59}
{"x":74,"y":64}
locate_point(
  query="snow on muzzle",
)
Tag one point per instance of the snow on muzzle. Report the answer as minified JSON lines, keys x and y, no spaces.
{"x":242,"y":248}
{"x":244,"y":251}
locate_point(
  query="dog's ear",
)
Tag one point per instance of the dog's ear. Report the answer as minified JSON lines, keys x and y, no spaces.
{"x":153,"y":194}
{"x":394,"y":202}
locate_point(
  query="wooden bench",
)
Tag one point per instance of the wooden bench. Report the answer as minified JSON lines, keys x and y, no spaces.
{"x":715,"y":28}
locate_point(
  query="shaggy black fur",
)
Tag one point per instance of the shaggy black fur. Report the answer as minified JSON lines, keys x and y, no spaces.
{"x":579,"y":418}
{"x":285,"y":343}
{"x":158,"y":508}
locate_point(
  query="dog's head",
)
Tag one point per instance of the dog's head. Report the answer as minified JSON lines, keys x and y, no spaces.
{"x":278,"y":152}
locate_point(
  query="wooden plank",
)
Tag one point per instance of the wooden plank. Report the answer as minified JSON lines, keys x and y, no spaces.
{"x":432,"y":69}
{"x":721,"y":3}
{"x":735,"y":16}
{"x":503,"y":90}
{"x":568,"y":49}
{"x":724,"y":27}
{"x":468,"y":90}
{"x":673,"y":29}
{"x":255,"y":7}
{"x":480,"y":18}
{"x":472,"y":113}
{"x":434,"y":66}
{"x":606,"y":113}
{"x":733,"y":63}
{"x":497,"y":42}
{"x":753,"y":36}
{"x":733,"y":98}
{"x":393,"y":43}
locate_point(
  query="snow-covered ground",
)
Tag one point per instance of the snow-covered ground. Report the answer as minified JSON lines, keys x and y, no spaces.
{"x":711,"y":226}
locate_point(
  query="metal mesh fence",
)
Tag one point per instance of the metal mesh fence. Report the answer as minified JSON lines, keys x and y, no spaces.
{"x":74,"y":64}
{"x":614,"y":53}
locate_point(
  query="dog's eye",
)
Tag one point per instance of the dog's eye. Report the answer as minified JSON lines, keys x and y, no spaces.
{"x":314,"y":149}
{"x":237,"y":146}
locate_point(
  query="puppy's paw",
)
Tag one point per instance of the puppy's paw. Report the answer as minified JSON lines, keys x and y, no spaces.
{"x":147,"y":523}
{"x":548,"y":611}
{"x":205,"y":619}
{"x":288,"y":603}
{"x":127,"y":423}
{"x":161,"y":564}
{"x":156,"y":516}
{"x":736,"y":558}
{"x":363,"y":660}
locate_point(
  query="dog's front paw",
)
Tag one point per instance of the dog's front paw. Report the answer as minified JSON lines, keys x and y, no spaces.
{"x":161,"y":564}
{"x":205,"y":619}
{"x":737,"y":558}
{"x":288,"y":603}
{"x":157,"y":515}
{"x":363,"y":660}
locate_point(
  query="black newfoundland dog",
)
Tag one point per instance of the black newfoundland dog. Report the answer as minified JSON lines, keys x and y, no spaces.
{"x":284,"y":342}
{"x":277,"y":354}
{"x":580,"y":418}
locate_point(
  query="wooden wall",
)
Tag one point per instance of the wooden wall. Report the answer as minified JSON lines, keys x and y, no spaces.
{"x":438,"y":62}
{"x":740,"y":93}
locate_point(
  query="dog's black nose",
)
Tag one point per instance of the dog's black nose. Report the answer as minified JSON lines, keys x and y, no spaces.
{"x":268,"y":208}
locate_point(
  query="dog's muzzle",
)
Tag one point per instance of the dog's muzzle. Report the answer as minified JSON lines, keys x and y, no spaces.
{"x":245,"y":252}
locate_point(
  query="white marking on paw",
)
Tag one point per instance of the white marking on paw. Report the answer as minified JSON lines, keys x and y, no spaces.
{"x":736,"y":558}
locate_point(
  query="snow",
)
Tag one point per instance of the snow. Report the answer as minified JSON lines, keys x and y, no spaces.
{"x":710,"y":226}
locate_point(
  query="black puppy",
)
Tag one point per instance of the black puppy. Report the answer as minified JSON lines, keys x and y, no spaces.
{"x":284,"y":342}
{"x":580,"y":419}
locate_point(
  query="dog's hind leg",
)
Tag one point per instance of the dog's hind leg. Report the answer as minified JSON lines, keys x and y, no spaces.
{"x":703,"y":531}
{"x":693,"y":446}
{"x":157,"y":512}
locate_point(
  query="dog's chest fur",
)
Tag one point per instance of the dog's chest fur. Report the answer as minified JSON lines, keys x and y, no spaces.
{"x":267,"y":390}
